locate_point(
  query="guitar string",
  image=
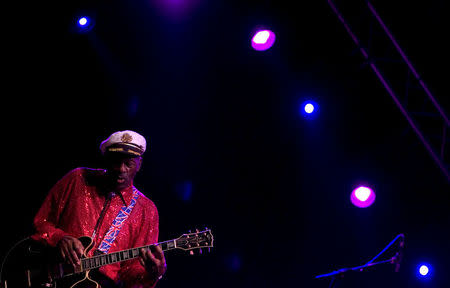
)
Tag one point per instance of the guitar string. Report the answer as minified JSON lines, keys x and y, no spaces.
{"x":108,"y":258}
{"x":118,"y":259}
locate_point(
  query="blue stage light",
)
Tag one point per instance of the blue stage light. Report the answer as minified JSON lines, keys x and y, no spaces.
{"x":83,"y":21}
{"x":424,"y":271}
{"x":184,"y":190}
{"x":309,"y":109}
{"x":234,"y":262}
{"x":84,"y":24}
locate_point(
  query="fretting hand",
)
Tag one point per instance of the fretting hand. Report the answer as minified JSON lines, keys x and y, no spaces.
{"x":154,"y":262}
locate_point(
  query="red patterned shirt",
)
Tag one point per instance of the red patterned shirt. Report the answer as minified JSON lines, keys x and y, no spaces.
{"x":73,"y":207}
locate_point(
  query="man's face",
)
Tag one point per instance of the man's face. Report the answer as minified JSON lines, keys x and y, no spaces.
{"x":121,"y":169}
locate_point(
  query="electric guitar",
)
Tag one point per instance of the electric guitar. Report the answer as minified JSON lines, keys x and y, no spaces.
{"x":35,"y":266}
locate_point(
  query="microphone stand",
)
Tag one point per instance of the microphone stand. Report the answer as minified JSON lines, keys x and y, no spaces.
{"x":393,"y":260}
{"x":335,"y":275}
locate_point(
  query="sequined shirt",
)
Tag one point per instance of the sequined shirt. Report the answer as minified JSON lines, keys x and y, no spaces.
{"x":73,"y":206}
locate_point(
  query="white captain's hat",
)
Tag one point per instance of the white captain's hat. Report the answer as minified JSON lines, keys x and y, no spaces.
{"x":126,"y":142}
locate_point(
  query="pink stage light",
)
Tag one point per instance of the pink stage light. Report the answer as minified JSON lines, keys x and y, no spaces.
{"x":362,"y":197}
{"x":263,"y":40}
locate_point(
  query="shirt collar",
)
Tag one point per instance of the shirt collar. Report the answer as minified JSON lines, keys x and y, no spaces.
{"x":125,"y":195}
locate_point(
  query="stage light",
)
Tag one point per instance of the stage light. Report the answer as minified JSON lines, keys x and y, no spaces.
{"x":234,"y":262}
{"x":309,"y":108}
{"x":176,"y":10}
{"x":184,"y":191}
{"x":263,"y":40}
{"x":261,"y":37}
{"x":84,"y":24}
{"x":362,"y":197}
{"x":83,"y":21}
{"x":424,"y":270}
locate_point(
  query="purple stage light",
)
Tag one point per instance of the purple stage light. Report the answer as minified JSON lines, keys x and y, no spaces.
{"x":362,"y":197}
{"x":176,"y":10}
{"x":263,"y":40}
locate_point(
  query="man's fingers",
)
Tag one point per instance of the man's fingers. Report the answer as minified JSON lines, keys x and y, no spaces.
{"x":148,"y":254}
{"x":74,"y":257}
{"x":141,"y":260}
{"x":143,"y":254}
{"x":158,"y":253}
{"x":71,"y":250}
{"x":63,"y":254}
{"x":153,"y":260}
{"x":71,"y":256}
{"x":151,"y":257}
{"x":79,"y":249}
{"x":159,"y":256}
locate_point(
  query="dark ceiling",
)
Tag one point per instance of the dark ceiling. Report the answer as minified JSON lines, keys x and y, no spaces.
{"x":230,"y":149}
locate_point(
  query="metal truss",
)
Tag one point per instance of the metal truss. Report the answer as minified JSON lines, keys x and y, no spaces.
{"x":401,"y":80}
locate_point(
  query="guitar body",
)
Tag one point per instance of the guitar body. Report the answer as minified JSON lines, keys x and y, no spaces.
{"x":33,"y":265}
{"x":88,"y":279}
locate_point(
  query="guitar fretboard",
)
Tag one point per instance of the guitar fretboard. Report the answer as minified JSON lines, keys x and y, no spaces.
{"x":119,"y":256}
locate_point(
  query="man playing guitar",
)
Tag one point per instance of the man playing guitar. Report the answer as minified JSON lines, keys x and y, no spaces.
{"x":105,"y":205}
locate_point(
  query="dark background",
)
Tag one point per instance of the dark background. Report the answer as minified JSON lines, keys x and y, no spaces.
{"x":230,"y":150}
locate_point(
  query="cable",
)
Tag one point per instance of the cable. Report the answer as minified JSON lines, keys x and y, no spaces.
{"x":387,"y":247}
{"x":6,"y":257}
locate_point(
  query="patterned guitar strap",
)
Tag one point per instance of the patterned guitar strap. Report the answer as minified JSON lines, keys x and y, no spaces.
{"x":117,"y":224}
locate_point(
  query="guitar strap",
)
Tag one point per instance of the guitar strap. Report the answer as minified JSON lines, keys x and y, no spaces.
{"x":117,"y":224}
{"x":102,"y":215}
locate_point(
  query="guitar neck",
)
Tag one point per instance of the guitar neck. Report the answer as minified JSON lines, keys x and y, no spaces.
{"x":119,"y":256}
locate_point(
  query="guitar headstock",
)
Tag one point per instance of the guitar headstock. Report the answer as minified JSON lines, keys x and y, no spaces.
{"x":196,"y":240}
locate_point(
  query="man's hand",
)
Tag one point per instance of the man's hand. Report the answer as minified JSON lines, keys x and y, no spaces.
{"x":154,"y":262}
{"x":71,"y":250}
